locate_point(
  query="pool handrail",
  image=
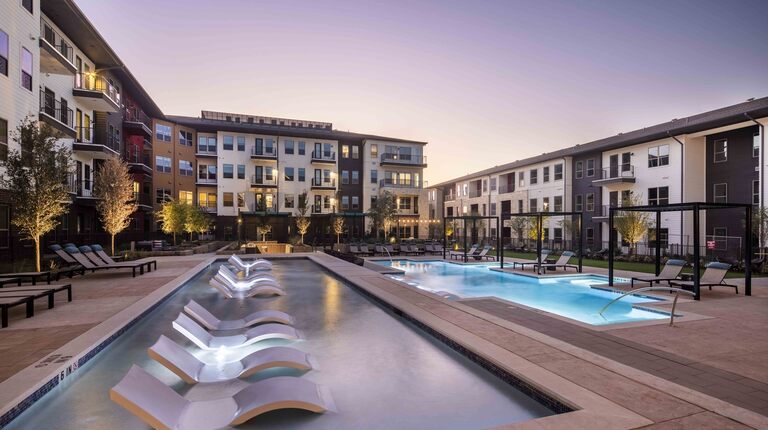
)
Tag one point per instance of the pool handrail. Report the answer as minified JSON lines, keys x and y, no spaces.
{"x":633,"y":292}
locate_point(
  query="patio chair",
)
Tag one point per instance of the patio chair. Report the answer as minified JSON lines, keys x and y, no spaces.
{"x":438,"y":248}
{"x":159,"y":406}
{"x":211,"y":322}
{"x":714,"y":276}
{"x":544,"y":254}
{"x":191,"y":370}
{"x":354,"y":250}
{"x":257,"y":290}
{"x":6,"y":303}
{"x":483,"y":254}
{"x":562,"y":261}
{"x":392,"y":250}
{"x":205,"y":340}
{"x":72,"y":264}
{"x":32,"y":288}
{"x":364,"y":250}
{"x":89,"y":265}
{"x":379,"y":250}
{"x":99,"y":251}
{"x":20,"y":295}
{"x":460,"y":254}
{"x":247,"y":267}
{"x":670,"y":272}
{"x":429,"y":248}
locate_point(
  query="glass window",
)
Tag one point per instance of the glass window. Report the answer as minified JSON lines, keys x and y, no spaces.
{"x":545,"y":174}
{"x":355,"y":201}
{"x":162,"y":195}
{"x":3,"y":53}
{"x":206,"y":144}
{"x":241,"y":200}
{"x":302,"y":148}
{"x":578,"y":203}
{"x":658,"y":196}
{"x":721,"y":151}
{"x":241,"y":171}
{"x":302,"y":174}
{"x":755,"y":144}
{"x":493,"y":184}
{"x":374,"y":176}
{"x":345,"y":202}
{"x":185,"y":168}
{"x":26,"y":69}
{"x":228,"y":200}
{"x":558,"y":203}
{"x":185,"y":138}
{"x":590,"y":168}
{"x":228,"y":171}
{"x":522,"y":179}
{"x":27,"y":4}
{"x":590,"y":236}
{"x":344,"y":176}
{"x":534,"y":177}
{"x":590,"y":203}
{"x":289,"y":173}
{"x":579,"y":170}
{"x":355,"y":177}
{"x":163,"y":164}
{"x":241,"y":143}
{"x":289,"y":201}
{"x":344,"y":151}
{"x":545,"y":204}
{"x":228,"y":144}
{"x":186,"y":197}
{"x":374,"y":150}
{"x":163,"y":132}
{"x":533,"y":205}
{"x":288,"y":146}
{"x":755,"y":192}
{"x":355,"y":155}
{"x":720,"y":193}
{"x":559,"y":172}
{"x":3,"y":139}
{"x":658,"y":156}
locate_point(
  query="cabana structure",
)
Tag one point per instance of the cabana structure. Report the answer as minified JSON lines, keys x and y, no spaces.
{"x":472,"y":222}
{"x":696,"y":209}
{"x":576,"y":228}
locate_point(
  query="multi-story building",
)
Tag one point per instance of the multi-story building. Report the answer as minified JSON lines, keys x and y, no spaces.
{"x":716,"y":156}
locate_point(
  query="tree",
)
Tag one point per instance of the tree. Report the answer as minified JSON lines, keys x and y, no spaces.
{"x":197,"y":221}
{"x":536,"y":229}
{"x":338,"y":227}
{"x":263,"y":230}
{"x":519,"y":225}
{"x":37,"y":177}
{"x":632,"y":225}
{"x":302,"y":221}
{"x":173,"y":215}
{"x":113,"y":189}
{"x":383,"y":212}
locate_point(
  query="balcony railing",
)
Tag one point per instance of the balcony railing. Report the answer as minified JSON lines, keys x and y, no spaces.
{"x":142,"y":199}
{"x":323,"y":156}
{"x":394,"y":183}
{"x":267,"y":151}
{"x":449,"y":197}
{"x":71,"y":183}
{"x":324,"y":183}
{"x":49,"y":35}
{"x":132,"y":157}
{"x":318,"y":209}
{"x":618,"y":173}
{"x":412,"y":211}
{"x":135,"y":114}
{"x":475,"y":193}
{"x":94,"y":82}
{"x":506,"y":188}
{"x":84,"y":188}
{"x":209,"y":209}
{"x":54,"y":109}
{"x":204,"y":150}
{"x":201,"y":180}
{"x":263,"y":181}
{"x":84,"y":134}
{"x":412,"y":159}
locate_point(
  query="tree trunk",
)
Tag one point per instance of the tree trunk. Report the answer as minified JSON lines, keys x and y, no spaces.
{"x":302,"y":238}
{"x":174,"y":239}
{"x":337,"y":238}
{"x":37,"y":254}
{"x":113,"y":245}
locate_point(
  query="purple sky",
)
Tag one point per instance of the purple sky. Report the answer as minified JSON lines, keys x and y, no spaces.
{"x":484,"y":82}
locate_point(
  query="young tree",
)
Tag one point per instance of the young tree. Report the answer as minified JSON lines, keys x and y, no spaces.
{"x":302,"y":221}
{"x":383,"y":212}
{"x":632,"y":225}
{"x":338,"y":227}
{"x":519,"y":225}
{"x":113,"y":187}
{"x":263,"y":230}
{"x":536,"y":229}
{"x":197,"y":221}
{"x":173,"y":215}
{"x":37,"y":177}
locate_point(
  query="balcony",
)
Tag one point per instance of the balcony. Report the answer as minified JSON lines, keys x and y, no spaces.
{"x":206,"y":181}
{"x":84,"y":189}
{"x":263,"y":181}
{"x":97,"y":147}
{"x":408,"y":212}
{"x":56,"y":114}
{"x":622,"y":173}
{"x":205,"y":151}
{"x":96,"y":93}
{"x":138,"y":162}
{"x":323,"y":157}
{"x":143,"y":200}
{"x":395,"y":159}
{"x":394,"y":183}
{"x":449,"y":197}
{"x":83,"y":134}
{"x":71,"y":184}
{"x":136,"y":122}
{"x":506,"y":188}
{"x":475,"y":193}
{"x":264,"y":153}
{"x":209,"y":209}
{"x":56,"y":55}
{"x":324,"y":184}
{"x":321,"y":209}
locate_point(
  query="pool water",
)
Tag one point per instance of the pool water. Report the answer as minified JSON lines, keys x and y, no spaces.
{"x":567,"y":296}
{"x":382,"y":372}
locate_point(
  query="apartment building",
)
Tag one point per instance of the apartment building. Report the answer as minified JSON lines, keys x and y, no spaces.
{"x":715,"y":156}
{"x":173,"y":150}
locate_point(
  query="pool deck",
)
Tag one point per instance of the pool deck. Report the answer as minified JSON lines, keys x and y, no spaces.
{"x":706,"y":373}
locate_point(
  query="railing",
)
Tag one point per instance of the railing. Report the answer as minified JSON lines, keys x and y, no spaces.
{"x":134,"y":114}
{"x":412,"y":211}
{"x":323,"y":156}
{"x":84,"y":188}
{"x":84,"y":134}
{"x":506,"y":188}
{"x":392,"y":157}
{"x":94,"y":82}
{"x":618,"y":171}
{"x":206,"y":180}
{"x":263,"y":180}
{"x":318,"y":209}
{"x":53,"y":108}
{"x":449,"y":197}
{"x":54,"y":39}
{"x":209,"y":209}
{"x":142,"y":199}
{"x":475,"y":193}
{"x":138,"y":158}
{"x":267,"y":151}
{"x":324,"y":182}
{"x":206,"y":151}
{"x":397,"y":184}
{"x":71,"y":183}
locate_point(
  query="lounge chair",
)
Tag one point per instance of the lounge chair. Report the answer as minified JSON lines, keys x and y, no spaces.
{"x":191,"y":370}
{"x":247,"y":267}
{"x":670,"y":272}
{"x":32,"y":288}
{"x":354,"y":250}
{"x":72,"y":265}
{"x":10,"y":280}
{"x":211,"y":322}
{"x":99,"y":251}
{"x":30,"y":295}
{"x":6,"y":303}
{"x":257,"y":290}
{"x":88,"y":265}
{"x":562,"y":261}
{"x":364,"y":250}
{"x":161,"y":407}
{"x":202,"y":338}
{"x":227,"y":273}
{"x":460,"y":254}
{"x":544,"y":254}
{"x":391,"y":250}
{"x":95,"y":259}
{"x":429,"y":248}
{"x":713,"y":276}
{"x":483,"y":254}
{"x":31,"y":277}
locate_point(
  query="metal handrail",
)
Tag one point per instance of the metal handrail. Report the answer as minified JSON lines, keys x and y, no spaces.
{"x":668,"y":288}
{"x":618,"y":171}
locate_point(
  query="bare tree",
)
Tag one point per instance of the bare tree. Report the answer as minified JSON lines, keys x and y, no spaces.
{"x":113,"y":189}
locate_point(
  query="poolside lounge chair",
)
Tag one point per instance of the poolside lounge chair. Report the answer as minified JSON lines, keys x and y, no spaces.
{"x":209,"y":320}
{"x":562,"y":261}
{"x":460,"y":254}
{"x":87,"y":264}
{"x":483,"y":254}
{"x":99,"y":251}
{"x":6,"y":303}
{"x":391,"y":250}
{"x":713,"y":276}
{"x":161,"y":407}
{"x":33,"y":288}
{"x":226,"y":272}
{"x":354,"y":250}
{"x":379,"y":250}
{"x":191,"y":370}
{"x":429,"y":248}
{"x":544,"y":254}
{"x":248,"y":267}
{"x":95,"y":259}
{"x":364,"y":250}
{"x":202,"y":338}
{"x":10,"y":280}
{"x":72,"y":265}
{"x":257,"y":290}
{"x":670,"y":272}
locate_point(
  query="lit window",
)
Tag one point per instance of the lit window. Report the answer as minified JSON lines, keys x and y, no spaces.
{"x":185,"y":197}
{"x":345,"y":151}
{"x":228,"y":200}
{"x":755,"y":144}
{"x":374,"y":150}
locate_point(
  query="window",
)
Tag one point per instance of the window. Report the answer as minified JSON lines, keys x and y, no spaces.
{"x":27,"y":4}
{"x":755,"y":139}
{"x":534,"y":177}
{"x":579,"y":170}
{"x":404,"y":203}
{"x":559,"y":172}
{"x":558,"y":234}
{"x":302,"y":148}
{"x":185,"y":138}
{"x":755,"y":192}
{"x":344,"y":202}
{"x":721,"y":151}
{"x":545,"y":204}
{"x":578,"y":203}
{"x":163,"y":132}
{"x":302,"y":174}
{"x":533,"y":205}
{"x":185,"y":168}
{"x":3,"y":53}
{"x":522,"y":179}
{"x":241,"y":171}
{"x":162,"y":195}
{"x":493,"y":184}
{"x":720,"y":193}
{"x":163,"y":164}
{"x":344,"y":151}
{"x":241,"y":200}
{"x":519,"y":206}
{"x":289,"y":201}
{"x":289,"y":174}
{"x":228,"y":200}
{"x":229,"y":143}
{"x":241,"y":143}
{"x":3,"y":139}
{"x":326,"y":202}
{"x":590,"y":168}
{"x":186,"y":197}
{"x":590,"y":236}
{"x":658,"y":156}
{"x":26,"y":69}
{"x":657,"y":196}
{"x":558,"y":203}
{"x":663,"y":237}
{"x":590,"y":203}
{"x":355,"y":199}
{"x":374,"y":176}
{"x":288,"y":147}
{"x":485,"y":186}
{"x":345,"y":176}
{"x":355,"y":155}
{"x":355,"y":177}
{"x":546,"y":174}
{"x":206,"y":144}
{"x":206,"y":200}
{"x":228,"y":170}
{"x":374,"y":150}
{"x":206,"y":172}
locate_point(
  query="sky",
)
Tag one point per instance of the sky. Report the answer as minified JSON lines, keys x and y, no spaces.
{"x":484,"y":82}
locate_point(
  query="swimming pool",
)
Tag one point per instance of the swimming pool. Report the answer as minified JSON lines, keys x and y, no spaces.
{"x":382,"y":371}
{"x":567,"y":296}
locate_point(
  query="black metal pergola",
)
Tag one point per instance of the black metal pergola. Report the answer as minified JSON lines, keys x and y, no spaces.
{"x":540,"y":220}
{"x":474,"y":219}
{"x":695,"y":207}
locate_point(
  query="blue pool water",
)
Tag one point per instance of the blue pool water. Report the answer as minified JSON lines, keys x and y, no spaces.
{"x":568,"y":296}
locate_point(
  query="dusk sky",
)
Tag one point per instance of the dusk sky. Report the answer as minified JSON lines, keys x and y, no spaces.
{"x":483,"y":82}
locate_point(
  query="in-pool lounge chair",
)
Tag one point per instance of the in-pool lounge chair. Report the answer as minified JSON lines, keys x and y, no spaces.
{"x":202,"y":338}
{"x":241,"y":293}
{"x":191,"y":370}
{"x":161,"y":407}
{"x":669,"y":273}
{"x":562,"y":261}
{"x":99,"y":251}
{"x":227,"y":273}
{"x":544,"y":254}
{"x":460,"y":254}
{"x":89,"y":265}
{"x":249,"y":266}
{"x":211,"y":322}
{"x":714,"y":276}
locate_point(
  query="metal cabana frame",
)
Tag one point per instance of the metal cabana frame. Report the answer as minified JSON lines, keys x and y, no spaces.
{"x":540,"y":219}
{"x":474,"y":219}
{"x":696,"y":208}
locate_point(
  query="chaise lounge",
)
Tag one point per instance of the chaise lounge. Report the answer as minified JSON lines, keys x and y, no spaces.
{"x":247,"y":267}
{"x":256,"y":290}
{"x":99,"y":251}
{"x":89,"y":265}
{"x":669,"y":273}
{"x":227,"y":273}
{"x":713,"y":276}
{"x":205,"y":340}
{"x":562,"y":261}
{"x":544,"y":254}
{"x":211,"y":322}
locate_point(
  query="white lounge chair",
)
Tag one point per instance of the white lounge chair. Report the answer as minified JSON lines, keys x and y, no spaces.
{"x":191,"y":370}
{"x":226,"y":276}
{"x":209,"y":320}
{"x":255,"y":276}
{"x":160,"y":407}
{"x":670,"y":272}
{"x":248,"y":267}
{"x":233,"y":293}
{"x":205,"y":340}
